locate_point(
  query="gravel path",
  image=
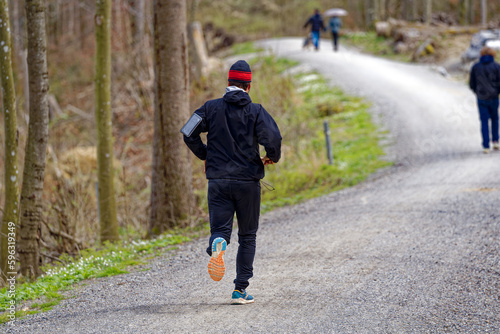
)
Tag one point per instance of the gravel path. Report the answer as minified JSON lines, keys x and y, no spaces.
{"x":413,"y":250}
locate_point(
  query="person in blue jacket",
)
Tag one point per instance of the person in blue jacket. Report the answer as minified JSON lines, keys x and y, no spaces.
{"x":316,"y":22}
{"x":485,"y":82}
{"x":235,"y":128}
{"x":335,"y":24}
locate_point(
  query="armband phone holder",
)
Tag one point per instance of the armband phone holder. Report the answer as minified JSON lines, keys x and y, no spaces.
{"x":191,"y":125}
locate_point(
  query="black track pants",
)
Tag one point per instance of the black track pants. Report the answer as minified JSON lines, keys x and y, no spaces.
{"x":225,"y":197}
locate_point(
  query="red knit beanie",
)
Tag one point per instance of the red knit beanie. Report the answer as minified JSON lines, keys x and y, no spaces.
{"x":240,"y":72}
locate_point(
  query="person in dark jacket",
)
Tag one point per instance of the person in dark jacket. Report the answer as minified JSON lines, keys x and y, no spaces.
{"x":335,"y":24}
{"x":485,"y":82}
{"x":316,"y":22}
{"x":235,"y":128}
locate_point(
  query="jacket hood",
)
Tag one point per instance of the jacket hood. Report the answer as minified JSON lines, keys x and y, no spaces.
{"x":237,"y":96}
{"x":486,"y":59}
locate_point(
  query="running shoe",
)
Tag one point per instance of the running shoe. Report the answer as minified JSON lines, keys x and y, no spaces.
{"x":241,"y":297}
{"x":496,"y":147}
{"x":216,"y":268}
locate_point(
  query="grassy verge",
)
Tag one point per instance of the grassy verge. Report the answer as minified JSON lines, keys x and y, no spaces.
{"x":300,"y":104}
{"x":245,"y":48}
{"x":369,"y":42}
{"x":108,"y":260}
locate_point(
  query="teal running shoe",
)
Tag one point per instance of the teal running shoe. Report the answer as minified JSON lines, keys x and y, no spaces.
{"x":241,"y":297}
{"x":216,"y":267}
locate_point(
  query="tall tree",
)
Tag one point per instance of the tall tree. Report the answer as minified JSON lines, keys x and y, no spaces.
{"x":171,"y":188}
{"x":376,"y":10}
{"x":404,"y":9}
{"x":194,"y":7}
{"x":11,"y":206}
{"x":19,"y":48}
{"x":464,"y":11}
{"x":105,"y":171}
{"x":414,"y":10}
{"x":36,"y":146}
{"x":484,"y":13}
{"x":472,"y":11}
{"x":383,"y":12}
{"x":368,"y":13}
{"x":137,"y":20}
{"x":428,"y":11}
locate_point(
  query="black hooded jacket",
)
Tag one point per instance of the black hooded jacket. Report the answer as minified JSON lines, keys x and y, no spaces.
{"x":316,"y":23}
{"x":235,"y":127}
{"x":485,"y":78}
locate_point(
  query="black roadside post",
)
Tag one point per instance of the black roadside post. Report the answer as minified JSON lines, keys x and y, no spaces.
{"x":328,"y":143}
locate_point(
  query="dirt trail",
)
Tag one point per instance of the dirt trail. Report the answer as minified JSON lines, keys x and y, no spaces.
{"x":413,"y":250}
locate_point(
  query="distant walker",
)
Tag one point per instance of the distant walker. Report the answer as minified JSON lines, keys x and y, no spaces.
{"x":485,"y":83}
{"x":316,"y":22}
{"x":335,"y":24}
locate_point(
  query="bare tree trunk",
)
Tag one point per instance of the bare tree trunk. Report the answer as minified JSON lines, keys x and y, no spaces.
{"x":56,"y":22}
{"x":369,"y":13}
{"x":463,"y":10}
{"x":105,"y":171}
{"x":484,"y":13}
{"x":71,"y":18}
{"x":50,"y":23}
{"x":82,"y":22}
{"x":140,"y":9}
{"x":197,"y":51}
{"x":428,"y":12}
{"x":399,"y":7}
{"x":171,"y":189}
{"x":383,"y":13}
{"x":404,"y":9}
{"x":150,"y":23}
{"x":192,"y":11}
{"x":11,"y":206}
{"x":376,"y":10}
{"x":19,"y":47}
{"x":356,"y":8}
{"x":120,"y":29}
{"x":137,"y":21}
{"x":471,"y":12}
{"x":36,"y":147}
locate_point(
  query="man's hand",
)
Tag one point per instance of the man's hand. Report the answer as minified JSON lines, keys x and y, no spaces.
{"x":266,"y":161}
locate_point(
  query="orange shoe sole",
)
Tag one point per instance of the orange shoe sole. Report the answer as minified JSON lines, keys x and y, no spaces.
{"x":216,"y":267}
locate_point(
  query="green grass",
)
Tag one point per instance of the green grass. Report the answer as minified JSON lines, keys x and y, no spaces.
{"x":245,"y":48}
{"x":304,"y":171}
{"x":109,"y":260}
{"x":371,"y":43}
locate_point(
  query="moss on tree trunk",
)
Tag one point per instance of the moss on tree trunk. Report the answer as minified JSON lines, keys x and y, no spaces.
{"x":105,"y":179}
{"x":10,"y":211}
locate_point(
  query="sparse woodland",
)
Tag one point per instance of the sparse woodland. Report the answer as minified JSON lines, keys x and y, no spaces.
{"x":106,"y":160}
